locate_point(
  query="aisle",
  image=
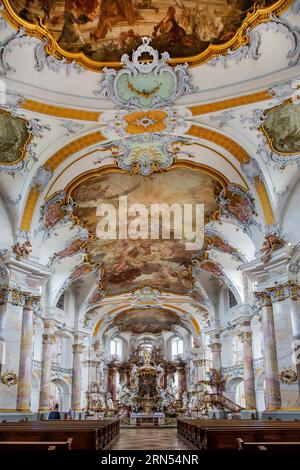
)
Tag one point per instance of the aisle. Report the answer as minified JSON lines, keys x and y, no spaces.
{"x":149,"y":439}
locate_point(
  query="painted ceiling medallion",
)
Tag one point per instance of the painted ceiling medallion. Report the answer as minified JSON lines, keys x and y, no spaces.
{"x":97,"y":34}
{"x":145,"y":81}
{"x":281,"y":127}
{"x":15,"y":138}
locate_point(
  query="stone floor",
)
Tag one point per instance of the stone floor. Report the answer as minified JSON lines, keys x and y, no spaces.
{"x":149,"y":439}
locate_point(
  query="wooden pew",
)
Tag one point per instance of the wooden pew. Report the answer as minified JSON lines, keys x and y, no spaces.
{"x":25,"y":445}
{"x":204,"y":434}
{"x":225,"y":438}
{"x":85,"y":434}
{"x":255,"y":446}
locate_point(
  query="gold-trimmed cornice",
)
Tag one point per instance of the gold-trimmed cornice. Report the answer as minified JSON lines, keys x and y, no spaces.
{"x":93,"y":116}
{"x":241,"y":38}
{"x":229,"y":103}
{"x":60,"y":111}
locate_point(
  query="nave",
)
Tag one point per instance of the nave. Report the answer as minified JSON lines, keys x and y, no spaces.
{"x":149,"y":223}
{"x":149,"y":439}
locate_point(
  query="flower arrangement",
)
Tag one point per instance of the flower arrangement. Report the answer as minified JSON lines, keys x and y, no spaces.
{"x":9,"y":378}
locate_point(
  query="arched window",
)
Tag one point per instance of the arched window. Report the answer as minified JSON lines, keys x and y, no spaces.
{"x":116,"y":348}
{"x":232,"y":299}
{"x":177,"y":347}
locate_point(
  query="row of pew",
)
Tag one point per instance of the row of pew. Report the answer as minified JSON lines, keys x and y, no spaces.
{"x":58,"y":434}
{"x":240,"y":434}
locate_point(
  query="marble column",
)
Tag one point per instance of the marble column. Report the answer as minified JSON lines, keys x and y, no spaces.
{"x":25,"y":364}
{"x":48,"y":340}
{"x":216,"y":356}
{"x":3,"y":313}
{"x":77,"y":377}
{"x":181,"y":381}
{"x":295,"y":320}
{"x":249,"y":383}
{"x":112,"y":382}
{"x":273,"y":397}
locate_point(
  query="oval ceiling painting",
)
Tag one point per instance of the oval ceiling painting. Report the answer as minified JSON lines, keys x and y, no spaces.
{"x":96,"y":32}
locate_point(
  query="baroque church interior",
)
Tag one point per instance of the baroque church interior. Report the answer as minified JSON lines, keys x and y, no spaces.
{"x":185,"y":104}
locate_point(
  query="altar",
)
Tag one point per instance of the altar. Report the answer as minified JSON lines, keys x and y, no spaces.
{"x":141,"y":419}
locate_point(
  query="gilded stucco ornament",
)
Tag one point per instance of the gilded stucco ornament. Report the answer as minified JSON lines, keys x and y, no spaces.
{"x":145,"y":154}
{"x":151,"y":84}
{"x":251,"y":50}
{"x":279,"y":293}
{"x":288,"y":376}
{"x":9,"y":378}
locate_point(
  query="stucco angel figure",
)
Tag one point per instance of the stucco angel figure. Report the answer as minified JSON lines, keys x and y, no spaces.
{"x":109,"y":402}
{"x":134,"y":376}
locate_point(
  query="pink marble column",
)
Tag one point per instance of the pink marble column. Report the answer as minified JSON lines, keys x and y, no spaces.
{"x":273,"y":397}
{"x":48,"y":339}
{"x":249,"y":384}
{"x":25,"y":364}
{"x":181,"y":381}
{"x":3,"y":313}
{"x":295,"y":320}
{"x":112,"y":382}
{"x":77,"y":377}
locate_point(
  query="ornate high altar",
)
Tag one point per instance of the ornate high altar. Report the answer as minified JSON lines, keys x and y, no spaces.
{"x":150,"y":390}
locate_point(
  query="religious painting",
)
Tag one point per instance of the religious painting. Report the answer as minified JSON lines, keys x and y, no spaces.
{"x":282,"y":128}
{"x":212,"y":267}
{"x":14,"y":137}
{"x":157,"y":262}
{"x":104,"y":30}
{"x":150,"y":320}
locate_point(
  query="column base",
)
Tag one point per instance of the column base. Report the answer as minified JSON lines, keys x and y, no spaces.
{"x":249,"y":414}
{"x":284,"y":414}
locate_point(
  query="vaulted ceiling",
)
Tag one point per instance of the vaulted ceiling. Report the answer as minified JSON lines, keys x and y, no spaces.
{"x":222,"y":131}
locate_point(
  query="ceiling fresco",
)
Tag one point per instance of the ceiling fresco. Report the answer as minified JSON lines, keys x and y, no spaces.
{"x":150,"y":320}
{"x":14,"y":137}
{"x":101,"y":32}
{"x":281,"y":127}
{"x":131,"y":264}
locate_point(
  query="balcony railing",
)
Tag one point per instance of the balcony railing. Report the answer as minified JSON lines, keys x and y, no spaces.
{"x":54,"y":367}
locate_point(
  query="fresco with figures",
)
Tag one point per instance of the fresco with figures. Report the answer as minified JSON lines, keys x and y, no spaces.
{"x":153,"y":320}
{"x":106,"y":29}
{"x":131,"y":264}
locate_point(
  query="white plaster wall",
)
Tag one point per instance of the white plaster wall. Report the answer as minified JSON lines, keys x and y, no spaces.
{"x":283,"y":331}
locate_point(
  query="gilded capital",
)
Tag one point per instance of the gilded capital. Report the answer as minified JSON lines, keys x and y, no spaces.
{"x":78,"y":348}
{"x":48,"y":338}
{"x":3,"y":295}
{"x":215,"y":347}
{"x":246,"y":336}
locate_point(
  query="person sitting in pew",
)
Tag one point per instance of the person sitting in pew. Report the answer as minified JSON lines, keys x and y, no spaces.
{"x":54,"y":414}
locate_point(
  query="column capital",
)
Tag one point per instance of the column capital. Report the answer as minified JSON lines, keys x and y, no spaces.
{"x":246,"y":336}
{"x":48,"y":338}
{"x":215,"y":347}
{"x":78,"y":348}
{"x":278,"y":293}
